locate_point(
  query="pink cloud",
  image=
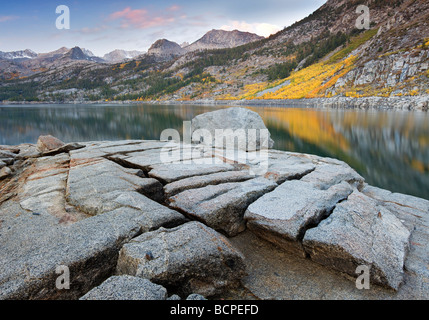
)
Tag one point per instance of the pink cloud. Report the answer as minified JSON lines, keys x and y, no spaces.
{"x":7,"y":18}
{"x":141,"y":18}
{"x":262,"y":29}
{"x":174,"y":7}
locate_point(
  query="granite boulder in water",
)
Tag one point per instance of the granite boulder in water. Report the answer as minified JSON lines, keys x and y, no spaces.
{"x":230,"y":124}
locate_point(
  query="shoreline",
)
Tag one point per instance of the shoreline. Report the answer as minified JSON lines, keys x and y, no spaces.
{"x":409,"y":103}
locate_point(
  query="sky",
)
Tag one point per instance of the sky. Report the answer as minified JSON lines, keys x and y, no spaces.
{"x":105,"y":25}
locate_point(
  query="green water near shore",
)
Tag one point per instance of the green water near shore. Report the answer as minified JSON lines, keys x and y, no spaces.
{"x":389,"y":148}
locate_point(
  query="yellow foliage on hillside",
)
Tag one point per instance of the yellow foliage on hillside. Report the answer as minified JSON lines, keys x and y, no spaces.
{"x":13,"y":75}
{"x":227,"y":97}
{"x":312,"y":81}
{"x":185,"y":98}
{"x":251,"y":90}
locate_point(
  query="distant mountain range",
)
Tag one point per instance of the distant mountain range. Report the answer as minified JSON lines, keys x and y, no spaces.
{"x":214,"y":39}
{"x":321,"y":56}
{"x":18,"y":55}
{"x":75,"y":53}
{"x":18,"y":64}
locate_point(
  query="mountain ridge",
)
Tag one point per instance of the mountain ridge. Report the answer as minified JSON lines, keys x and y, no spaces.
{"x":321,"y":56}
{"x":164,"y":48}
{"x":221,"y":39}
{"x":119,"y":55}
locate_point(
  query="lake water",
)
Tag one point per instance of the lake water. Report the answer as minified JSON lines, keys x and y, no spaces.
{"x":390,"y":149}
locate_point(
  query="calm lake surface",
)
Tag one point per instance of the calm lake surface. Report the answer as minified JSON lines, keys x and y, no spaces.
{"x":389,"y":149}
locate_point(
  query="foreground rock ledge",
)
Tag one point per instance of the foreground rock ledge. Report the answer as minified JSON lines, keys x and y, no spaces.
{"x":108,"y":209}
{"x":192,"y":257}
{"x":284,"y":215}
{"x":361,"y":232}
{"x":126,"y":288}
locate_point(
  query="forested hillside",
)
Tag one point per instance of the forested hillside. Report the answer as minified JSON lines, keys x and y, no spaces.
{"x":323,"y":55}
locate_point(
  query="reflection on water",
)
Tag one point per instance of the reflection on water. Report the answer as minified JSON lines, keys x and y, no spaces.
{"x":390,"y":149}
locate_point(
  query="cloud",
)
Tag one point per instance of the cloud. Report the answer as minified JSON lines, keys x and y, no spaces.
{"x":174,"y":7}
{"x":262,"y":29}
{"x":8,"y":18}
{"x":142,"y":18}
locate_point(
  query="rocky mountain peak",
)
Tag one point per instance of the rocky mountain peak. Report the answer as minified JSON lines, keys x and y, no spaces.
{"x":165,"y":48}
{"x":77,"y":53}
{"x":87,"y":52}
{"x":121,"y":55}
{"x":220,"y":39}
